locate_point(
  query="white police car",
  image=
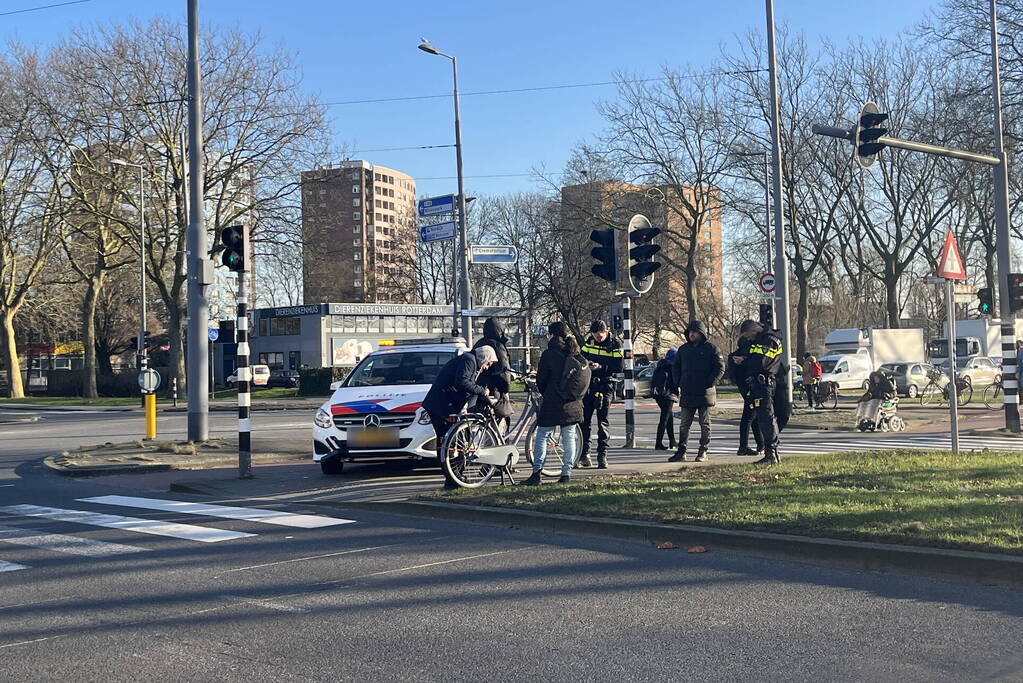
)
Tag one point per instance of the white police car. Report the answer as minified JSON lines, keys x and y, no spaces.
{"x":376,"y":413}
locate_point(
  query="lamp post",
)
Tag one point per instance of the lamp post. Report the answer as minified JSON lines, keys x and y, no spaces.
{"x":463,"y":261}
{"x":766,"y":154}
{"x":141,"y":358}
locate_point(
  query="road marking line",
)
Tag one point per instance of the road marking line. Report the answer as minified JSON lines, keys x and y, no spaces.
{"x":145,"y":526}
{"x":29,"y":642}
{"x":11,"y":566}
{"x":280,"y":607}
{"x":311,"y":557}
{"x":64,"y":544}
{"x":3,"y":486}
{"x":225,"y":511}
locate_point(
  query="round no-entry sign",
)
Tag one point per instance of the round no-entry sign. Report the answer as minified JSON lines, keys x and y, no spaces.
{"x":149,"y":380}
{"x":767,"y":283}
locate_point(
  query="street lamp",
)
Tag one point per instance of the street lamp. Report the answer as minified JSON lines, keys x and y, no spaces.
{"x":142,"y":360}
{"x":463,"y":263}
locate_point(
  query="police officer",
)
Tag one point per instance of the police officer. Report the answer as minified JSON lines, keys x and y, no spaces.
{"x":762,"y":367}
{"x":604,"y":354}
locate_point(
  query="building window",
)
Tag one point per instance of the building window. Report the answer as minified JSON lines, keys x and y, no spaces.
{"x":356,"y":215}
{"x":357,"y":256}
{"x":357,"y":242}
{"x":356,"y":202}
{"x":707,"y":234}
{"x":273,"y":359}
{"x":357,"y":268}
{"x":377,"y":203}
{"x":277,"y":327}
{"x":376,"y":177}
{"x":356,"y":189}
{"x":354,"y":175}
{"x":357,"y":282}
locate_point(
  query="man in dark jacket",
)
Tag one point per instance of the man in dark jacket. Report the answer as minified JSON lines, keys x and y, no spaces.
{"x":455,"y":385}
{"x":497,"y":378}
{"x":737,"y":373}
{"x":665,"y":393}
{"x":763,"y":365}
{"x":555,"y":411}
{"x":697,"y":369}
{"x":604,"y":354}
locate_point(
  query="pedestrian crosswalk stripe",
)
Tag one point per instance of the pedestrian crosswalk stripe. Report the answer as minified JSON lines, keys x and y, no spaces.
{"x":11,"y":566}
{"x":145,"y":526}
{"x":64,"y":544}
{"x":225,"y":511}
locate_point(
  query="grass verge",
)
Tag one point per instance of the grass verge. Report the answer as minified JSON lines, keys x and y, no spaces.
{"x":970,"y":502}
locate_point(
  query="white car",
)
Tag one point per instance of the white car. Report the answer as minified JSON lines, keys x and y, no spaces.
{"x":376,"y":413}
{"x":260,"y":376}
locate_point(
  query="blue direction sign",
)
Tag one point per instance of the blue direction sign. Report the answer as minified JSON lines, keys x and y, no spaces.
{"x":490,"y":253}
{"x":435,"y":206}
{"x":213,"y":333}
{"x":438,"y":232}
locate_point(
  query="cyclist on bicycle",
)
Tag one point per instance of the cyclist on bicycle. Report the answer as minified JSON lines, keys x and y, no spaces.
{"x":455,"y":386}
{"x":880,"y":390}
{"x":557,"y":410}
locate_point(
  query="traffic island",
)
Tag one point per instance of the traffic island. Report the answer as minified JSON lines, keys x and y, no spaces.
{"x":929,"y":513}
{"x":141,"y":457}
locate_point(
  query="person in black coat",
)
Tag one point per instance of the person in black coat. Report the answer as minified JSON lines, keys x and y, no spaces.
{"x":698,"y":367}
{"x":665,"y":393}
{"x":555,"y":411}
{"x":497,"y":378}
{"x":455,"y":385}
{"x":748,"y":421}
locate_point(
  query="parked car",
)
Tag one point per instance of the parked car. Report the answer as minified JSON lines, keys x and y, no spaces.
{"x":909,"y":378}
{"x":979,"y":371}
{"x":260,"y":376}
{"x":287,"y":379}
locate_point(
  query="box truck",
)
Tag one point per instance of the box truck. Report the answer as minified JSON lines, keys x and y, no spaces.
{"x":852,"y":354}
{"x":978,"y":337}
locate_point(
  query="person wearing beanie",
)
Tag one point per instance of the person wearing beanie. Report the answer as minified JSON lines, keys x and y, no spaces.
{"x":697,"y":369}
{"x":557,"y":412}
{"x":762,"y":365}
{"x":455,"y":385}
{"x":665,"y":393}
{"x":604,"y":354}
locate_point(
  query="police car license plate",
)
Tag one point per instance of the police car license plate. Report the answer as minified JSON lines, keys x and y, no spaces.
{"x":381,"y":437}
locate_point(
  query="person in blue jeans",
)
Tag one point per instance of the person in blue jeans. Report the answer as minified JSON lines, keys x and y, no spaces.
{"x":555,"y":411}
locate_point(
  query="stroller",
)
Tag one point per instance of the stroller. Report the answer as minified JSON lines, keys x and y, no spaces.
{"x":887,"y":419}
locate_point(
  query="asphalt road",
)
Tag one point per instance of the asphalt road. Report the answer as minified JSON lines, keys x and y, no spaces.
{"x":138,"y":587}
{"x":388,"y":598}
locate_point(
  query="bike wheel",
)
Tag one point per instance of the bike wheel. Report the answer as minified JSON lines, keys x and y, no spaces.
{"x":965,"y":394}
{"x":932,"y":394}
{"x":993,"y":397}
{"x":831,"y":399}
{"x":459,"y":451}
{"x":555,"y":453}
{"x":896,"y":423}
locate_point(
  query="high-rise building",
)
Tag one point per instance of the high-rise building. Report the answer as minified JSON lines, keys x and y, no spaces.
{"x":602,"y":204}
{"x":359,"y":234}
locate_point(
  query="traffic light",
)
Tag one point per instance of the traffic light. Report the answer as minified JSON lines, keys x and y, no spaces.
{"x":766,"y":316}
{"x":618,"y":324}
{"x":868,"y":130}
{"x":606,"y":267}
{"x":1015,"y":291}
{"x":234,"y":248}
{"x":987,"y":303}
{"x":641,"y":253}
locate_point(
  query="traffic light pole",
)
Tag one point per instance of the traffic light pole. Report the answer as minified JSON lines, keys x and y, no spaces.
{"x":1010,"y":373}
{"x":630,"y":383}
{"x":244,"y":375}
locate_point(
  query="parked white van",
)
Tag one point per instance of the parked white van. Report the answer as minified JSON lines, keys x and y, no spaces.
{"x":847,"y":370}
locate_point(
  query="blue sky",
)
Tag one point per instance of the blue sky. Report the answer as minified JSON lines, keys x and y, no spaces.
{"x":367,"y":50}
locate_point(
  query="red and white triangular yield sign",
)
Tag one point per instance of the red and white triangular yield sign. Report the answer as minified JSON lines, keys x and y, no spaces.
{"x":950,"y":265}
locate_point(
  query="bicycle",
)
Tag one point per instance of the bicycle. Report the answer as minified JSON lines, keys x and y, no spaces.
{"x":826,"y":395}
{"x":474,"y":448}
{"x":936,"y":392}
{"x":993,"y":395}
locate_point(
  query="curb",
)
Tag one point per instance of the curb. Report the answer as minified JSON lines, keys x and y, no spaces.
{"x":979,"y":567}
{"x":18,"y":420}
{"x":49,"y":407}
{"x":147,"y":467}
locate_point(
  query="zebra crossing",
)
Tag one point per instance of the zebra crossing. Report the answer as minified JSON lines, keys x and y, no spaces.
{"x":67,"y":543}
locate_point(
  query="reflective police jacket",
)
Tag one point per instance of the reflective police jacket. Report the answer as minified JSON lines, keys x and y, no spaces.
{"x":608,"y":356}
{"x":764,"y":356}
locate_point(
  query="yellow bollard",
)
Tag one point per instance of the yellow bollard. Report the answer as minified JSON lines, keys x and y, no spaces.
{"x":150,"y":416}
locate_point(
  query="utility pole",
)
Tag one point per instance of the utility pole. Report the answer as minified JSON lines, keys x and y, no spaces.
{"x":199,"y":268}
{"x":1010,"y":373}
{"x":781,"y":261}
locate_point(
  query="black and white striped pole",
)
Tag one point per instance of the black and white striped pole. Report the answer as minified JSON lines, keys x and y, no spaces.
{"x":244,"y":374}
{"x":630,"y":384}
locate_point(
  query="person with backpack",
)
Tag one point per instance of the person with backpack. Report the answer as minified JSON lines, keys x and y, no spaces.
{"x":696,"y":370}
{"x":812,"y":372}
{"x":665,"y":393}
{"x":604,"y":354}
{"x":498,"y":376}
{"x":563,"y":379}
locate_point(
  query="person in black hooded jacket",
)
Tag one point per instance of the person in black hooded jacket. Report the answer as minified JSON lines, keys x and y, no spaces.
{"x":497,"y":378}
{"x":698,"y":367}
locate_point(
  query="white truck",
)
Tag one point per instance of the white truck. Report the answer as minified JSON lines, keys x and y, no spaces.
{"x":854,"y":353}
{"x":978,"y":337}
